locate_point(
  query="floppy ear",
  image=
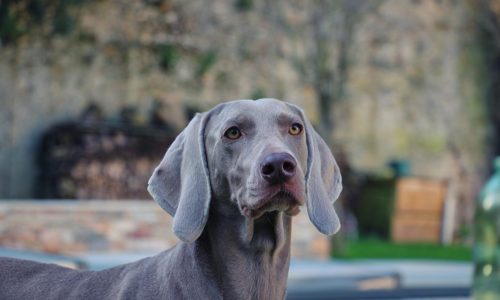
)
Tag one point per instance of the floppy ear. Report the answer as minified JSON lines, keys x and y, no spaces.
{"x":323,"y":182}
{"x":180,"y":184}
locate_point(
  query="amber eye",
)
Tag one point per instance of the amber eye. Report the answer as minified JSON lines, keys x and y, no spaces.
{"x":233,"y":133}
{"x":295,"y":129}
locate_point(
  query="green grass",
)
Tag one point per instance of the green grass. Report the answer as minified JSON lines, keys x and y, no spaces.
{"x":376,"y":249}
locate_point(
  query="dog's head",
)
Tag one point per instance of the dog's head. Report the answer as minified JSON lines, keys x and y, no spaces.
{"x":252,"y":157}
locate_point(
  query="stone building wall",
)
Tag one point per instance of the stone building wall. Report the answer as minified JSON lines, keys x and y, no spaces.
{"x":412,"y":89}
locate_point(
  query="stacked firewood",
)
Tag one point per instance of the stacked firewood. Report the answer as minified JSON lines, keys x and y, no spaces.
{"x":100,"y":160}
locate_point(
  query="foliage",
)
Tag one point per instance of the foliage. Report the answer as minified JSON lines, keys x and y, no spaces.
{"x":168,"y":55}
{"x":19,"y":17}
{"x":10,"y":29}
{"x":205,"y":62}
{"x":37,"y":10}
{"x":63,"y":23}
{"x":375,"y":206}
{"x":258,"y":94}
{"x":243,"y":5}
{"x":221,"y":78}
{"x":377,"y":249}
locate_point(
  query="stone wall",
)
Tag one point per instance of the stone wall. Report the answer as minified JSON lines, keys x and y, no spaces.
{"x":412,"y":90}
{"x":80,"y":227}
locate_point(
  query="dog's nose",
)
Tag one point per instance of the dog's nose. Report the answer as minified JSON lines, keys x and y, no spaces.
{"x":278,"y":167}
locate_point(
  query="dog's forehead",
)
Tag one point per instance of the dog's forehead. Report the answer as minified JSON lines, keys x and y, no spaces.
{"x":263,"y":110}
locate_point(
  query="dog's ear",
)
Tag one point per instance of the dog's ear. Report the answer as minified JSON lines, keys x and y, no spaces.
{"x":323,"y":181}
{"x":324,"y":184}
{"x":180,"y":184}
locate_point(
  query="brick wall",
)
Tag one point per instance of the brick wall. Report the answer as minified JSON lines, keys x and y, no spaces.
{"x":76,"y":227}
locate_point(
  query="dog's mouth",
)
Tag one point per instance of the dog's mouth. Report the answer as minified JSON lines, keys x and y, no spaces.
{"x":282,"y":200}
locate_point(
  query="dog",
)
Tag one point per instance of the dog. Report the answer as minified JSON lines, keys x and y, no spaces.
{"x":232,"y":180}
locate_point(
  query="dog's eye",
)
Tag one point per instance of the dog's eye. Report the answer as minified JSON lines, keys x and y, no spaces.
{"x":295,"y":129}
{"x":233,"y":133}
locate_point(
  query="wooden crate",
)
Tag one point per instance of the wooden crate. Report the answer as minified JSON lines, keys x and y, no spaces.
{"x":415,"y":228}
{"x":418,"y":211}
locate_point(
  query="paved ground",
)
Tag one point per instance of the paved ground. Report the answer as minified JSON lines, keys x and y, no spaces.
{"x":379,"y":279}
{"x":412,"y":273}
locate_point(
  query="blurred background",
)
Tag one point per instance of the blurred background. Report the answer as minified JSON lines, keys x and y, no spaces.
{"x":406,"y":93}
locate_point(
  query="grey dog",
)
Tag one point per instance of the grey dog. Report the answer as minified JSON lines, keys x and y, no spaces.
{"x":232,"y":180}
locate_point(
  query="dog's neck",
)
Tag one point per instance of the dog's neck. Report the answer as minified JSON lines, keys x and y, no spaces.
{"x":251,"y":257}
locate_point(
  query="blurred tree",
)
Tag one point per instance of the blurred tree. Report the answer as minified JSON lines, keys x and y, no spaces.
{"x":333,"y":25}
{"x":327,"y":65}
{"x":486,"y":15}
